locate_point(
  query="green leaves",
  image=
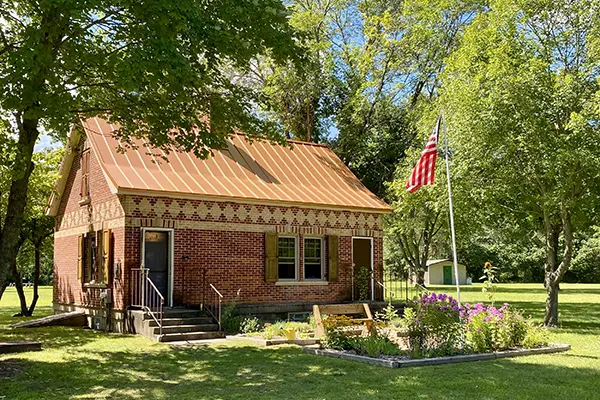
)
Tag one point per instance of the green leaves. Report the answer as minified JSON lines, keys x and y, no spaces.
{"x":160,"y":62}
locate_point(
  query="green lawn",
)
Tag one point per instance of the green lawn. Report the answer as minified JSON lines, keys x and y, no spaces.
{"x":84,"y":364}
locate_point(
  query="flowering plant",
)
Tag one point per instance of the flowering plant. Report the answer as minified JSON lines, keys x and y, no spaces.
{"x":489,"y":279}
{"x":433,"y":323}
{"x":488,"y":328}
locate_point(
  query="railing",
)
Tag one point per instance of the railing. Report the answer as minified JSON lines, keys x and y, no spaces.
{"x":399,"y":286}
{"x":212,"y":303}
{"x":145,"y":294}
{"x":395,"y":286}
{"x":388,"y":295}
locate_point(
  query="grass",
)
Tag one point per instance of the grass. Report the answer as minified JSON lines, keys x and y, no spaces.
{"x":84,"y":364}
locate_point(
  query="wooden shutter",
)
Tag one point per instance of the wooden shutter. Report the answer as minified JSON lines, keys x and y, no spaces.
{"x":106,"y":254}
{"x":85,"y":191}
{"x":271,"y":246}
{"x":80,"y":253}
{"x":333,"y":243}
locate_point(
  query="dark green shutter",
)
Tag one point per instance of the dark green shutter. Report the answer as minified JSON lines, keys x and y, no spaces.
{"x":271,"y":245}
{"x":333,"y":257}
{"x":80,"y":254}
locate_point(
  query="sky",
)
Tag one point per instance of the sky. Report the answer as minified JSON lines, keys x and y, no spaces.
{"x":45,"y":142}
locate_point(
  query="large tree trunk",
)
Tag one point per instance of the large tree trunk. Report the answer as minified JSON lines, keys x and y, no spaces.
{"x":17,"y":198}
{"x":53,"y":27}
{"x":551,"y":318}
{"x":555,"y":270}
{"x":420,"y":274}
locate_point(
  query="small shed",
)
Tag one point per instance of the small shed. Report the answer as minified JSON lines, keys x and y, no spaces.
{"x":441,"y":272}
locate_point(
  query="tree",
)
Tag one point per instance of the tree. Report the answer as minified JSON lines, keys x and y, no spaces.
{"x":521,"y":97}
{"x":418,"y":221}
{"x":156,"y":61}
{"x":37,"y":226}
{"x":300,"y":100}
{"x":389,"y":73}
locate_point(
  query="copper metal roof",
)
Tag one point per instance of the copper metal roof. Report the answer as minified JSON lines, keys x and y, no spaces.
{"x":306,"y":174}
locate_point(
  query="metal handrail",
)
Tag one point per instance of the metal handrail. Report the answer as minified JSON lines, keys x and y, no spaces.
{"x":158,"y":320}
{"x":385,"y":289}
{"x":215,"y":289}
{"x":147,"y":296}
{"x":214,"y":307}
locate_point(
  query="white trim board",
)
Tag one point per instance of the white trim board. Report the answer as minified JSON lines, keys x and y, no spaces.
{"x":171,"y":268}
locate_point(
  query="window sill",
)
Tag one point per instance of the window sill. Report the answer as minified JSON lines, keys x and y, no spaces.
{"x":85,"y":201}
{"x":302,"y":283}
{"x":95,"y":285}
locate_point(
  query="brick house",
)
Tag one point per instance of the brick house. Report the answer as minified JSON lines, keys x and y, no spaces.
{"x":265,"y":225}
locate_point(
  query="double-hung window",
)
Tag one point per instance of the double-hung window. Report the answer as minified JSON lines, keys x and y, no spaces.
{"x":286,"y":260}
{"x":314,"y":255}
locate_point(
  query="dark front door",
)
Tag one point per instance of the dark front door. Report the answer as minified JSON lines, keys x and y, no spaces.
{"x":156,"y":259}
{"x":361,"y":258}
{"x":447,"y":275}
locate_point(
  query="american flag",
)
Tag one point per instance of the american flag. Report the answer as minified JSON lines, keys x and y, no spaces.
{"x":423,"y":173}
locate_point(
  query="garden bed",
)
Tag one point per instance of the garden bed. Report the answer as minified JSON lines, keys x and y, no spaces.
{"x":260,"y":341}
{"x":404,"y":361}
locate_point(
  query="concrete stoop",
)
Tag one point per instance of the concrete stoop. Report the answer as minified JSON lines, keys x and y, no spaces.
{"x":179,"y":325}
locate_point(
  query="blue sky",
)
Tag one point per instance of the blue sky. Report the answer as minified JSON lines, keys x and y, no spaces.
{"x":45,"y":142}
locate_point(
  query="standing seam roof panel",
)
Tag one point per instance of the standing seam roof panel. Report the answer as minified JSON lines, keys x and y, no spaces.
{"x":306,"y":173}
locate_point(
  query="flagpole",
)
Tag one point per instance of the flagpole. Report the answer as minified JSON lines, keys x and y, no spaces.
{"x":451,"y":214}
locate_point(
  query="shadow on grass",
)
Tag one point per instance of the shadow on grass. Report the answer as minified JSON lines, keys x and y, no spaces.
{"x":503,"y":288}
{"x":576,"y":317}
{"x":244,"y":372}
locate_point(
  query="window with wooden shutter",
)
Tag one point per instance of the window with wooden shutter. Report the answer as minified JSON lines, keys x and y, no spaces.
{"x":314,"y":258}
{"x":333,"y":242}
{"x":80,"y":257}
{"x":271,"y":257}
{"x":106,"y":255}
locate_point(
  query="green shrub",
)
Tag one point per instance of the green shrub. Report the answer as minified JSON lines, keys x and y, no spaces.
{"x":488,"y":328}
{"x":389,"y":313}
{"x":230,"y":319}
{"x":536,"y":336}
{"x":337,"y":334}
{"x":363,"y":283}
{"x":250,"y":325}
{"x":374,"y":345}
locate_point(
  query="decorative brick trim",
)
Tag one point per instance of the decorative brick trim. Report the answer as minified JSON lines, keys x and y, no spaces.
{"x":212,"y":215}
{"x":95,"y":226}
{"x":91,"y":213}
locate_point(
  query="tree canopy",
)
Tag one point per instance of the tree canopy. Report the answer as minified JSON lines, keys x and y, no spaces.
{"x":161,"y":62}
{"x":521,"y":93}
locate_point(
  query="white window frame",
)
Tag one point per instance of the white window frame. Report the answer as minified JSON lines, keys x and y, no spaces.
{"x":296,"y":264}
{"x":322,"y":239}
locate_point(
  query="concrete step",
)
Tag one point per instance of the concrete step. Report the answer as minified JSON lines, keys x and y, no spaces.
{"x":183,"y":313}
{"x":186,"y":328}
{"x":182,"y":321}
{"x":176,"y":337}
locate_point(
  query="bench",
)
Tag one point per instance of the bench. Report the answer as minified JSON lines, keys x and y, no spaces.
{"x":341,"y":309}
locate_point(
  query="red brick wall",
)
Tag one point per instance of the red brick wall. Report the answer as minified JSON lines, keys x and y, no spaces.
{"x":235,"y":262}
{"x":67,"y":288}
